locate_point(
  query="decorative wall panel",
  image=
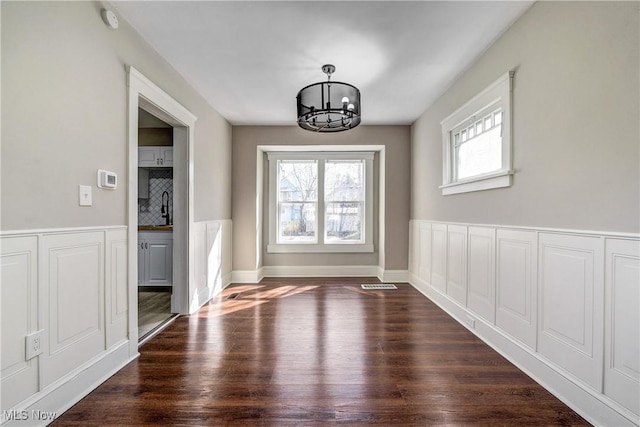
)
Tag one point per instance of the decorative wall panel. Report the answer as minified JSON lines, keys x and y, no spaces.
{"x":516,"y":284}
{"x":622,"y":323}
{"x":481,"y":272}
{"x":424,"y":267}
{"x":571,"y":292}
{"x":457,"y":263}
{"x":73,"y":286}
{"x":439,"y":257}
{"x":19,"y":275}
{"x":116,"y":303}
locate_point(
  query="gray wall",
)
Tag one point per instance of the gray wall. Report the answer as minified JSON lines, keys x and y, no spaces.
{"x":64,"y":115}
{"x":246,"y":139}
{"x":576,"y":123}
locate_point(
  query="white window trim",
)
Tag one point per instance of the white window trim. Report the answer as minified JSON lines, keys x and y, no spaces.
{"x":500,"y":92}
{"x":275,"y":247}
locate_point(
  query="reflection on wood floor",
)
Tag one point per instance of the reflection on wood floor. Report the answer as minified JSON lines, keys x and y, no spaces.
{"x":154,"y":308}
{"x":319,"y":352}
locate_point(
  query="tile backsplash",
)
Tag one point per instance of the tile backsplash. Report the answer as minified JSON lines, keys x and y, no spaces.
{"x":149,"y":210}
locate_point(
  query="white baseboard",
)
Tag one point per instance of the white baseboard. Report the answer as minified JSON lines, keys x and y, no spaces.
{"x":393,"y":275}
{"x":595,"y":408}
{"x":71,"y":388}
{"x":321,"y":271}
{"x":246,"y":276}
{"x":254,"y":276}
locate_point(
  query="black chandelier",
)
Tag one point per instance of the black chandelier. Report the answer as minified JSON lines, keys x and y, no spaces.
{"x":328,"y":106}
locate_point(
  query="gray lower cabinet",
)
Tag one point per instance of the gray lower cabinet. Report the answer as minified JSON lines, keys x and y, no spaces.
{"x":155,"y":258}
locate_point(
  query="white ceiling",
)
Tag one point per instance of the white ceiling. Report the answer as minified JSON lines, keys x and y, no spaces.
{"x":249,"y":59}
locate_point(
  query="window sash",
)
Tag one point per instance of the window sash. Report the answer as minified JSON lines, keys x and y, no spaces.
{"x":475,"y":133}
{"x":360,"y":218}
{"x":281,"y":236}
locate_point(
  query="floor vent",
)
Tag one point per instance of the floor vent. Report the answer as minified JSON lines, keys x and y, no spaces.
{"x":379,"y":286}
{"x":233,"y":296}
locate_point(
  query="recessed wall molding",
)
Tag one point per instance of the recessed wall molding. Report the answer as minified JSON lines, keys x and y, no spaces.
{"x":538,"y":297}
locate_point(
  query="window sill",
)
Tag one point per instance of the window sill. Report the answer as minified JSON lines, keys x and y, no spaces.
{"x":485,"y":182}
{"x":312,"y":248}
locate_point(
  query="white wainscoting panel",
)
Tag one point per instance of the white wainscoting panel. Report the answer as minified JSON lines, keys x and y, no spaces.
{"x":73,"y":287}
{"x":19,"y":297}
{"x":212,"y":260}
{"x":200,"y":237}
{"x":116,"y":286}
{"x":215,"y":236}
{"x":481,"y":272}
{"x":457,"y":263}
{"x":227,"y":251}
{"x":571,"y":295}
{"x":622,"y":323}
{"x":414,"y":247}
{"x":424,"y":244}
{"x":516,"y":277}
{"x":553,"y":317}
{"x":439,"y":257}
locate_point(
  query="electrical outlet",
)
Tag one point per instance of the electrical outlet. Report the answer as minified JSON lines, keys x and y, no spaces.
{"x":471,"y":322}
{"x":33,"y":344}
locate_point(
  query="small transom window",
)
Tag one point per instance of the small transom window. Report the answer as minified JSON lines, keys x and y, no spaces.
{"x":477,"y":143}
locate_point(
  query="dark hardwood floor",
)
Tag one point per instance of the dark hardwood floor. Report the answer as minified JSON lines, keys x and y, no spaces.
{"x":302,"y":352}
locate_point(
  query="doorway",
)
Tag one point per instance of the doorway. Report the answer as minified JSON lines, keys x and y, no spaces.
{"x":155,"y":224}
{"x":145,"y":96}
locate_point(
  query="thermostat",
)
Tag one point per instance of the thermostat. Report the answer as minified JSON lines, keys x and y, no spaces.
{"x":107,"y":179}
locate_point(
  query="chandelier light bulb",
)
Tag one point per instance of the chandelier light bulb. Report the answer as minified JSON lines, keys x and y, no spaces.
{"x":350,"y":107}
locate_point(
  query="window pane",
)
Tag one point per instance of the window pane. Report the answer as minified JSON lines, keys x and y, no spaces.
{"x":480,"y":155}
{"x":343,"y":222}
{"x":344,"y":194}
{"x":344,"y":180}
{"x":297,"y":180}
{"x":498,"y":118}
{"x":297,"y":223}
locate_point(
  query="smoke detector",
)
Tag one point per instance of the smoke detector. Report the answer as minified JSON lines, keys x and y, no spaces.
{"x":109,"y":18}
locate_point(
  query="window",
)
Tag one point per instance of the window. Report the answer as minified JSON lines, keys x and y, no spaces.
{"x":320,"y":202}
{"x":477,"y":141}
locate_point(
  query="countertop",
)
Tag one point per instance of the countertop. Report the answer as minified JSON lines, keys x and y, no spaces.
{"x":155,"y":228}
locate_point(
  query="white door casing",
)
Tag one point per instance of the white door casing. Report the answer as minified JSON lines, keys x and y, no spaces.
{"x":146,"y":95}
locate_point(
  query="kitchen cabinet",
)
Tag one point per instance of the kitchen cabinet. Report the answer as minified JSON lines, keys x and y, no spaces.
{"x":155,"y":258}
{"x":143,"y":183}
{"x":152,"y":157}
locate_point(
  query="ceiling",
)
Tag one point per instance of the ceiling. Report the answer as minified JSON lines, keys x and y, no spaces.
{"x":249,"y":59}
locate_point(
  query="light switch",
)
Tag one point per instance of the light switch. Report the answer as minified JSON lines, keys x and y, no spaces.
{"x":84,"y":195}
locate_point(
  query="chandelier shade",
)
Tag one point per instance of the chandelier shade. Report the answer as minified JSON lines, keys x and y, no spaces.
{"x":328,"y":106}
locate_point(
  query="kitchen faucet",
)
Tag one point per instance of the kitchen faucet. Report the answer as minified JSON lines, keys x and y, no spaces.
{"x":165,"y":208}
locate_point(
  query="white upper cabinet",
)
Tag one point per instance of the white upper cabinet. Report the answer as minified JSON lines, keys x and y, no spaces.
{"x":151,"y":157}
